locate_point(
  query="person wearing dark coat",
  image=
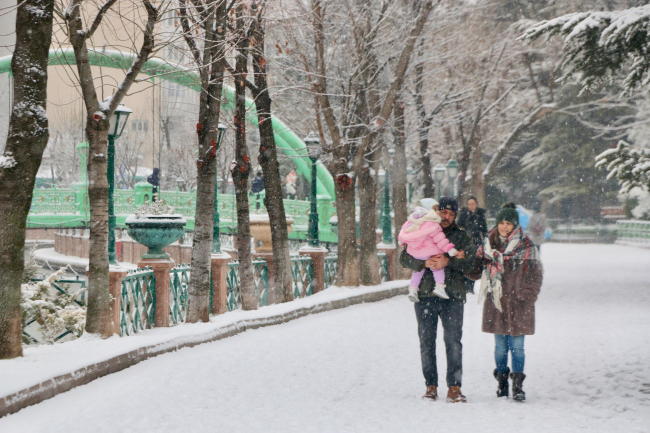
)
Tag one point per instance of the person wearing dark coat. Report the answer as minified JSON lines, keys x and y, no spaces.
{"x":450,"y":311}
{"x":154,"y":179}
{"x":511,"y":282}
{"x":257,"y":186}
{"x":472,"y":220}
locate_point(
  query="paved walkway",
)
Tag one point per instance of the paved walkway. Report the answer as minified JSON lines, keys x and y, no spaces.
{"x":358,"y":369}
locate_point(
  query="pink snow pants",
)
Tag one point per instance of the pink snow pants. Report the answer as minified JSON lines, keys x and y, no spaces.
{"x":438,"y":275}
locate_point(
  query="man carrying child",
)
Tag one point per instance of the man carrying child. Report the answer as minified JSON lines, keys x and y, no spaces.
{"x":450,"y":311}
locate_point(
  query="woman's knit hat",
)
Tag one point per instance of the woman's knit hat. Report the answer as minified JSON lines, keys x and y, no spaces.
{"x":508,"y":213}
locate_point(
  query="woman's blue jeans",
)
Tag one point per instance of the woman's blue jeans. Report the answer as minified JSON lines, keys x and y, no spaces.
{"x":515,"y":345}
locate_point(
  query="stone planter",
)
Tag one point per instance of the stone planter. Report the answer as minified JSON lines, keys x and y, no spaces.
{"x":156,"y":232}
{"x":261,"y":231}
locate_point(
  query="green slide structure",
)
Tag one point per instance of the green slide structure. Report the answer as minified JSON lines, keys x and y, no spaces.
{"x":286,"y":140}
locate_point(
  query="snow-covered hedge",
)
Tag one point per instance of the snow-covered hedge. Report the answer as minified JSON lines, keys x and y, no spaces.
{"x":159,"y":207}
{"x":54,"y":311}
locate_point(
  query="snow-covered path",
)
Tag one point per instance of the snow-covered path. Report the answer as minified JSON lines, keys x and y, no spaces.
{"x":358,"y":369}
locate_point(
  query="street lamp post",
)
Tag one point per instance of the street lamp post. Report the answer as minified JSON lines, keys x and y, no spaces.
{"x":180,"y":184}
{"x":386,"y":227}
{"x":410,"y":177}
{"x":312,"y":142}
{"x":216,"y":231}
{"x":439,"y":174}
{"x":116,"y":126}
{"x":452,"y":171}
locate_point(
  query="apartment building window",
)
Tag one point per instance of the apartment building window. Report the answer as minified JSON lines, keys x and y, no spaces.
{"x":175,"y":91}
{"x":140,"y":125}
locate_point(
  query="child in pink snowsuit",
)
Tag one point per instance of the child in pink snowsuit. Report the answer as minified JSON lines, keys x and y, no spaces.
{"x":424,"y":238}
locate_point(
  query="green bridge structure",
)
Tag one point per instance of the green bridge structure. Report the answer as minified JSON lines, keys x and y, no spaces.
{"x":59,"y":207}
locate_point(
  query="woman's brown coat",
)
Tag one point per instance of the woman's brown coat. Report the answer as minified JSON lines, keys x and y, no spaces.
{"x":521,"y":284}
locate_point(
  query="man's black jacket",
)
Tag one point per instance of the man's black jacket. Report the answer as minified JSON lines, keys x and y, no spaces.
{"x":453,"y":271}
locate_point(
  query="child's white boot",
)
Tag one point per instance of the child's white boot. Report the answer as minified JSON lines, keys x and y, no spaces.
{"x":439,"y":291}
{"x":413,"y":294}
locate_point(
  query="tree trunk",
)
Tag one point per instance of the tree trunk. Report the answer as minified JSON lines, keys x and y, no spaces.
{"x":423,"y":130}
{"x":198,"y":309}
{"x":474,"y":187}
{"x":241,"y":171}
{"x":268,"y":159}
{"x":26,"y":141}
{"x":398,"y":178}
{"x":98,"y":318}
{"x":368,"y":260}
{"x":345,"y":183}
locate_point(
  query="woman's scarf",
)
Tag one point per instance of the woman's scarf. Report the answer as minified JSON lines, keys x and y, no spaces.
{"x":519,"y":248}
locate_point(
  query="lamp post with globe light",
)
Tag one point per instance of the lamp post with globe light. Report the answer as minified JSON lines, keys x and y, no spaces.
{"x":180,"y":184}
{"x":452,"y":172}
{"x":216,"y":231}
{"x":410,"y":177}
{"x":312,"y":142}
{"x":386,"y":227}
{"x":116,"y":126}
{"x":439,"y":174}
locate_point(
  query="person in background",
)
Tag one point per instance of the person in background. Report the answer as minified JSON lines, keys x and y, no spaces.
{"x":472,"y":220}
{"x":511,"y":282}
{"x":154,"y":179}
{"x":537,"y":227}
{"x":257,"y":186}
{"x":290,"y":185}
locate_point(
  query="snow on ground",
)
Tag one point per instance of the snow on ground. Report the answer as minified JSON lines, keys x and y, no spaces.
{"x":358,"y":369}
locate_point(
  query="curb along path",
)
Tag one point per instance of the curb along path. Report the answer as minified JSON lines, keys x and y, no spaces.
{"x":330,"y":299}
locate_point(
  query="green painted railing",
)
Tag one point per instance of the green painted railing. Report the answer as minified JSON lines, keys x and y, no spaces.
{"x":260,"y":278}
{"x":331,"y":268}
{"x":179,"y":280}
{"x":58,"y":207}
{"x":383,"y":267}
{"x":138,"y":309}
{"x":302,"y":273}
{"x":634,"y":232}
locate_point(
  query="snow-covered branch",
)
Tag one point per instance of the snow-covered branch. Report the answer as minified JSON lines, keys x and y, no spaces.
{"x":600,"y":44}
{"x":630,"y":166}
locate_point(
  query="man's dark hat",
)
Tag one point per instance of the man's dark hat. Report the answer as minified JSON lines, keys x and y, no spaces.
{"x":448,"y":203}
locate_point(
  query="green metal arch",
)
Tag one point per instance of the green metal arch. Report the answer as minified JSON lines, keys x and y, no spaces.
{"x":290,"y":144}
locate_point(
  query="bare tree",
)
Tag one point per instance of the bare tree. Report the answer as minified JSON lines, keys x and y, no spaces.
{"x":26,"y":142}
{"x":268,"y":159}
{"x":98,"y":114}
{"x":205,"y":24}
{"x":241,"y":167}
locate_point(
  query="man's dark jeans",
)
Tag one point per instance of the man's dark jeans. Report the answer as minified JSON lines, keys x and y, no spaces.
{"x":451,"y":315}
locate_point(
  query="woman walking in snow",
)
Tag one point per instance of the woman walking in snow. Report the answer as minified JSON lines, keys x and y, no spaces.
{"x":511,"y":282}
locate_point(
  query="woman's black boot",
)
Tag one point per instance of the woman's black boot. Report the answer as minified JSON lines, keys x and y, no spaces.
{"x":518,"y":393}
{"x":502,"y":378}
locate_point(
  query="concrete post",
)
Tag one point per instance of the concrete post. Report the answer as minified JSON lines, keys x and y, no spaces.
{"x":317,"y":256}
{"x":391,"y":257}
{"x":161,"y":268}
{"x":219,"y":266}
{"x":115,"y":276}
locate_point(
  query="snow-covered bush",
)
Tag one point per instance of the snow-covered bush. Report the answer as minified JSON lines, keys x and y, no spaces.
{"x":630,"y":166}
{"x":54,"y":311}
{"x":639,"y":199}
{"x":156,"y":208}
